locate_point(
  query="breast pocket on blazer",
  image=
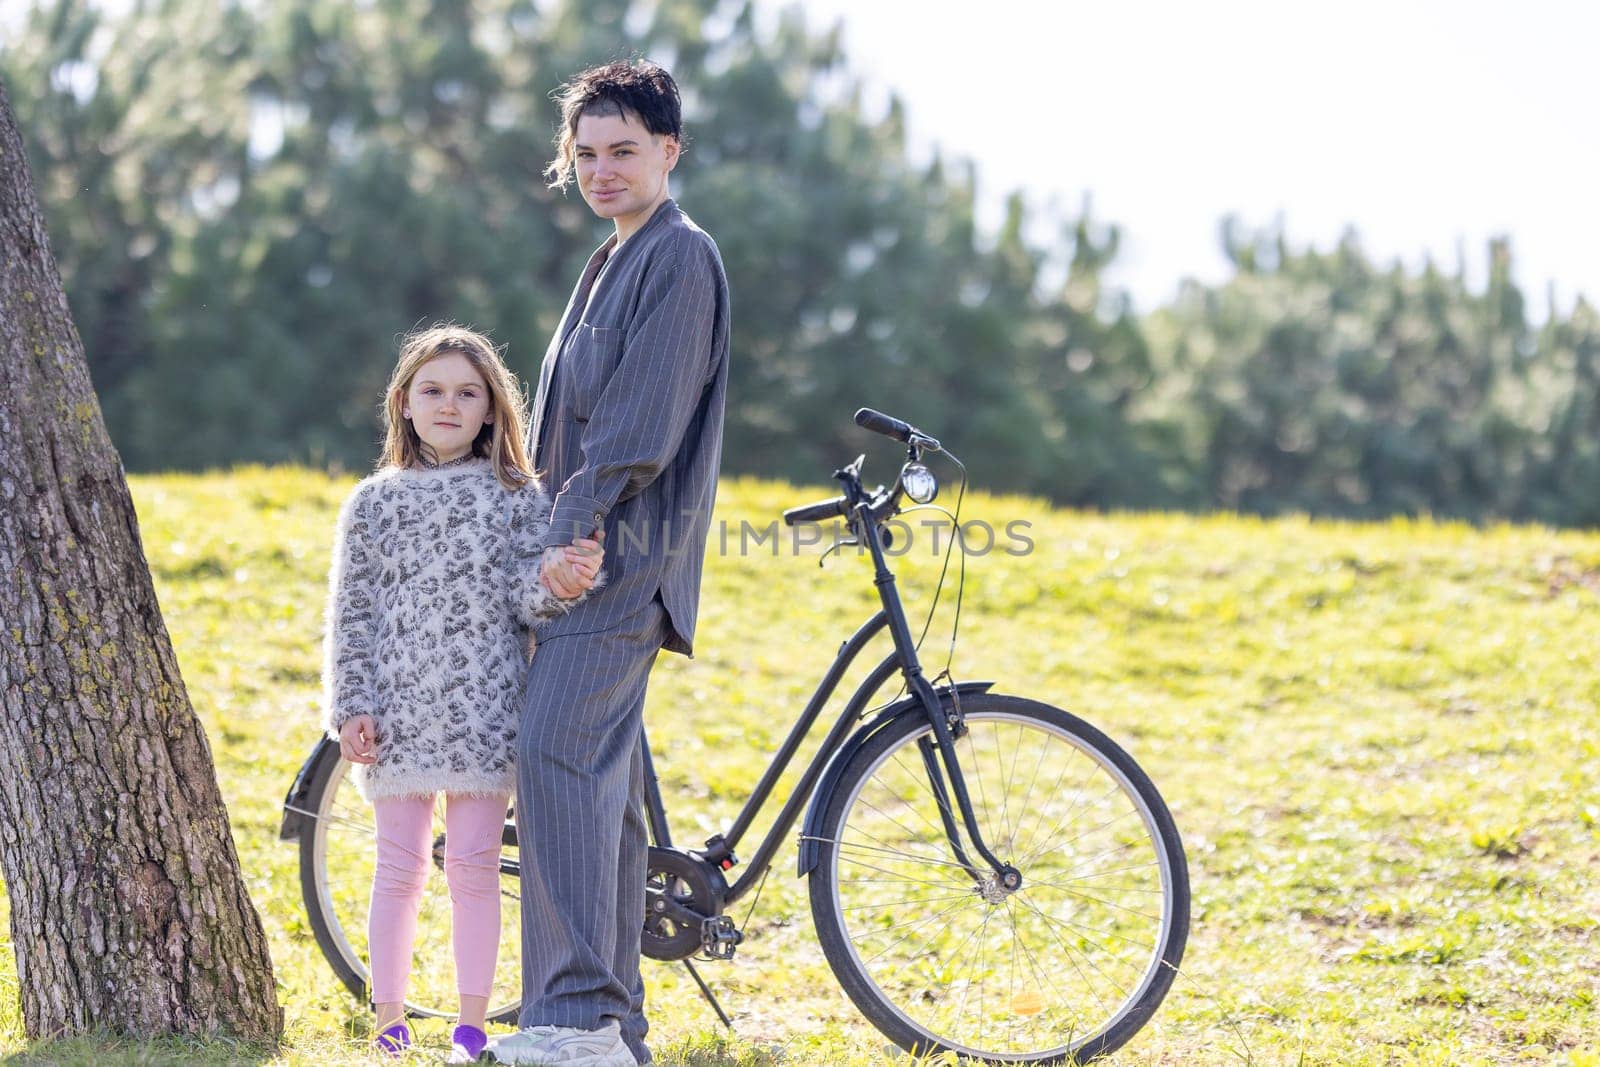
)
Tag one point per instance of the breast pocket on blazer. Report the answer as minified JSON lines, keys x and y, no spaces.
{"x":589,"y":361}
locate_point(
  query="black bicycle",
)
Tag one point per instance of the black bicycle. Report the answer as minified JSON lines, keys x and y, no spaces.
{"x":988,"y":874}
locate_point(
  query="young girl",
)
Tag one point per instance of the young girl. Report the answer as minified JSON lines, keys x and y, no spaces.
{"x":435,"y":582}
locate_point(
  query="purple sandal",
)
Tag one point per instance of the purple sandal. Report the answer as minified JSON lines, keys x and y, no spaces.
{"x":394,"y":1040}
{"x":467,"y":1044}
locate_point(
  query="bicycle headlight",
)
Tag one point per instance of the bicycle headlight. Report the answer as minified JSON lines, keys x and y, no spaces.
{"x":919,"y":483}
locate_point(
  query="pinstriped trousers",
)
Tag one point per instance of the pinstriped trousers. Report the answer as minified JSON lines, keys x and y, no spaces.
{"x":581,"y":829}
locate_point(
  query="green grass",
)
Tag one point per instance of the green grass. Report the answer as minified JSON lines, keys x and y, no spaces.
{"x":1379,"y":741}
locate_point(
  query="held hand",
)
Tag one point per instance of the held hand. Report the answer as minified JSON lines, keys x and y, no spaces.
{"x":358,"y":740}
{"x":586,"y":555}
{"x":568,"y":571}
{"x":558,"y":575}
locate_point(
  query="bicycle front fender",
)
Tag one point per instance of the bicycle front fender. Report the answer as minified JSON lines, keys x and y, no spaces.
{"x":810,"y":847}
{"x":296,"y":804}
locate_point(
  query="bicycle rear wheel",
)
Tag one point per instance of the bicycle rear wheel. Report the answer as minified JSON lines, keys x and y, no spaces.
{"x":336,"y":860}
{"x":1067,"y":967}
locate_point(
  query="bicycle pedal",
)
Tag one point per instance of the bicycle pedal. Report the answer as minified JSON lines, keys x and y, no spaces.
{"x":719,"y":937}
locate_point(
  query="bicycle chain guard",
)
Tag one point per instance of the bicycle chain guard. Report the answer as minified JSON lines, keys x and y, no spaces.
{"x":683,"y":900}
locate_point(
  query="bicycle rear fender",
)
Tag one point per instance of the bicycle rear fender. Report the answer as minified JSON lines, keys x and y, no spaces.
{"x":294,"y":821}
{"x":810,"y":848}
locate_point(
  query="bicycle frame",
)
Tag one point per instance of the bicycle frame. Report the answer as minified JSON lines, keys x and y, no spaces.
{"x":720,"y":848}
{"x":839,"y":741}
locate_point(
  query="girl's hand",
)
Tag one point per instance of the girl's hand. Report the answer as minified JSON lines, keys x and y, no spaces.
{"x":568,"y":571}
{"x":358,"y":740}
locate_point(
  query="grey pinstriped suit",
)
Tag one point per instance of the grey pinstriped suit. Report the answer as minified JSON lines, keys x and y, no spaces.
{"x":628,"y":432}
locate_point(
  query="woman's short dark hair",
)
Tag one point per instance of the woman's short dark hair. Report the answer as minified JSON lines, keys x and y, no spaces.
{"x":633,"y":87}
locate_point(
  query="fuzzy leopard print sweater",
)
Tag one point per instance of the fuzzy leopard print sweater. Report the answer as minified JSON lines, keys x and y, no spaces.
{"x":434,"y":585}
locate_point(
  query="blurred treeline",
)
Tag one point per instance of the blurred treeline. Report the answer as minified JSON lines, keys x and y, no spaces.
{"x":250,"y":200}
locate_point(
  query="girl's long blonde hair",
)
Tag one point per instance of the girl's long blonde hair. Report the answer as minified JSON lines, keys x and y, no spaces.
{"x":502,"y":441}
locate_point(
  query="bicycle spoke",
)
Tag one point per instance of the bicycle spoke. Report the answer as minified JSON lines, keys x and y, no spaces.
{"x":909,"y":901}
{"x":362,"y":827}
{"x":1055,"y":790}
{"x":1034,"y":847}
{"x":976,"y":937}
{"x":909,"y":926}
{"x":914,"y":837}
{"x":920,"y":776}
{"x":1051,"y":924}
{"x":1050,"y":844}
{"x":1033,"y":963}
{"x":1075,"y":876}
{"x":1005,"y":783}
{"x":1027,"y":797}
{"x":885,"y":850}
{"x":1101,"y":900}
{"x":1072,"y":883}
{"x":977,"y":772}
{"x":977,"y":934}
{"x":1089,"y":929}
{"x":988,"y":822}
{"x":901,"y":881}
{"x":1071,"y":879}
{"x":1011,"y":985}
{"x":943,"y":803}
{"x":881,"y":870}
{"x":1050,"y":839}
{"x":1090,"y":986}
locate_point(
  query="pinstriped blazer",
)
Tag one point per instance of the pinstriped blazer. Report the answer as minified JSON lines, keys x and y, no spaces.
{"x":627,"y":420}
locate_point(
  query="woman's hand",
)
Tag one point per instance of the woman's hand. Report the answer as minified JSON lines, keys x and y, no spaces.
{"x":568,"y":571}
{"x":586,"y":554}
{"x":358,"y":740}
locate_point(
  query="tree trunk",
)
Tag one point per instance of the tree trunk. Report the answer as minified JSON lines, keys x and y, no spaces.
{"x":128,"y":910}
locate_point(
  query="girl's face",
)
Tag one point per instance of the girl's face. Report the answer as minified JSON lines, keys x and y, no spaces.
{"x":448,"y":403}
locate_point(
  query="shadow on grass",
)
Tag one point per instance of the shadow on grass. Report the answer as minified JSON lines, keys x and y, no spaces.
{"x":101,"y":1051}
{"x":718,"y":1050}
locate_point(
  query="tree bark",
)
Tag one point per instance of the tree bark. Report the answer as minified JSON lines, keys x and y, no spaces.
{"x":128,"y":909}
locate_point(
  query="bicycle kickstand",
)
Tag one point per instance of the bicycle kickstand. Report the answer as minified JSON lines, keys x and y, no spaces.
{"x":711,"y":998}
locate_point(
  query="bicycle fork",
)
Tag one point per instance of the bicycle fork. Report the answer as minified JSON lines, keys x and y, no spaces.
{"x":1001,"y":878}
{"x":1005,"y":877}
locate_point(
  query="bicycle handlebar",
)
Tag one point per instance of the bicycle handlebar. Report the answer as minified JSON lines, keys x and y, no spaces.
{"x":883,"y":504}
{"x":899,"y":429}
{"x":821,"y":511}
{"x":888,"y":425}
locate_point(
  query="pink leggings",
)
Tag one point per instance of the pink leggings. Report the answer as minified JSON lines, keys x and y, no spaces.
{"x":472,"y":870}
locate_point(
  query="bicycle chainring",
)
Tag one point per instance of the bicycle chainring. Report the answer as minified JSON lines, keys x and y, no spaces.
{"x":681,"y":892}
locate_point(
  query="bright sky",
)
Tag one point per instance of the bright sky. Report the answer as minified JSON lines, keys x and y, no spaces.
{"x":1428,"y":125}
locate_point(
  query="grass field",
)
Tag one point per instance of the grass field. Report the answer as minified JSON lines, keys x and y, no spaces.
{"x":1379,"y":742}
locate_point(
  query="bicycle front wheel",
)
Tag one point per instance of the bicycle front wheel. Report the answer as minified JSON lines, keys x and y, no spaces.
{"x":1064,"y":968}
{"x":337,"y":853}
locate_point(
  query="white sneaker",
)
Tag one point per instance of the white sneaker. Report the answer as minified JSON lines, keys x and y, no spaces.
{"x":564,"y":1046}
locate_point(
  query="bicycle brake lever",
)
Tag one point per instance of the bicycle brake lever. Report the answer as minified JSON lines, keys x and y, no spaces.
{"x":837,"y":545}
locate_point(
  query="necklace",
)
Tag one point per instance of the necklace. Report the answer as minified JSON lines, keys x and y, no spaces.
{"x":428,"y":464}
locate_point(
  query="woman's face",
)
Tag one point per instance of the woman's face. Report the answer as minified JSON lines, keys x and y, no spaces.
{"x":622,"y":168}
{"x":448,"y":403}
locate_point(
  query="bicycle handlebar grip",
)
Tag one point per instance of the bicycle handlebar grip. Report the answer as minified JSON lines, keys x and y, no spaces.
{"x":888,"y":425}
{"x":821,"y":511}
